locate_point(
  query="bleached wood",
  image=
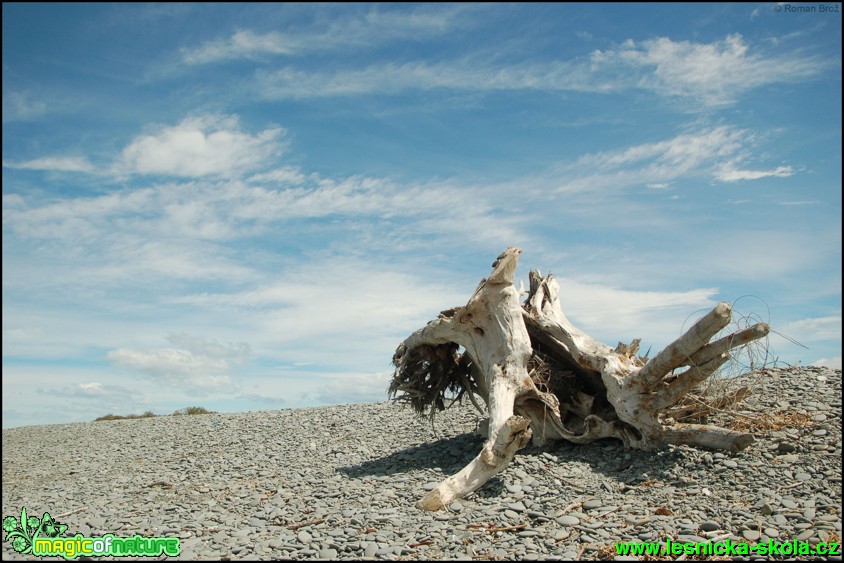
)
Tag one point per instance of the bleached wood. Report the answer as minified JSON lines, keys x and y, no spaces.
{"x":615,"y":393}
{"x":679,"y":352}
{"x":490,"y":328}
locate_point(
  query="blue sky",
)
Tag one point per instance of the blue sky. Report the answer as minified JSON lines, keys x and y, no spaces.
{"x":247,"y":207}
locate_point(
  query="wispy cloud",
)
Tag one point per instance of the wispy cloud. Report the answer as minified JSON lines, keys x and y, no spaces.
{"x":800,"y":202}
{"x":392,"y":78}
{"x":375,"y":27}
{"x":729,"y":174}
{"x":287,"y":175}
{"x":704,"y":153}
{"x":713,"y":74}
{"x":21,"y":106}
{"x":53,"y":163}
{"x":210,"y":145}
{"x":243,"y":44}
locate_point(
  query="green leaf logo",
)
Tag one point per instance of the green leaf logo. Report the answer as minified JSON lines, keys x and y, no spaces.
{"x":23,"y":535}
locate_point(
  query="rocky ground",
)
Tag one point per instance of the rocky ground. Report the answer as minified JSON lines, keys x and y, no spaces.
{"x":341,"y":482}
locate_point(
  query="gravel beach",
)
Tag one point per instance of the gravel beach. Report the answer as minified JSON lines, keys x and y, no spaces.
{"x":341,"y":482}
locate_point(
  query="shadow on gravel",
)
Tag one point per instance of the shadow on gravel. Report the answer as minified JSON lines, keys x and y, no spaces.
{"x":448,"y":454}
{"x":609,"y":460}
{"x":604,"y":458}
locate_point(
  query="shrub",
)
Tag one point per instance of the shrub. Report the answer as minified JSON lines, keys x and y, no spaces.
{"x":193,"y":410}
{"x":150,"y":414}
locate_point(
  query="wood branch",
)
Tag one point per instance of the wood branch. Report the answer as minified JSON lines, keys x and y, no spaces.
{"x":543,"y":378}
{"x":727,"y":343}
{"x":679,"y":352}
{"x":710,"y":437}
{"x":493,"y":458}
{"x":688,"y":380}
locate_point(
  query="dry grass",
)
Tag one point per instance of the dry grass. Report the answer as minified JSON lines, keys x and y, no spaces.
{"x":150,"y":414}
{"x":772,"y":421}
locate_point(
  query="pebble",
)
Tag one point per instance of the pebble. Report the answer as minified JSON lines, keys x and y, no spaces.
{"x":568,"y":521}
{"x":750,"y":535}
{"x":341,"y":483}
{"x":304,"y":537}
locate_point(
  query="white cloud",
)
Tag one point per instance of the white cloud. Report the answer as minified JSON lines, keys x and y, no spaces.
{"x":238,"y":351}
{"x":349,"y":388}
{"x":334,"y":309}
{"x":714,"y":73}
{"x":13,"y":201}
{"x":210,"y":145}
{"x":729,"y":174}
{"x":619,"y":314}
{"x":201,"y":365}
{"x":817,"y":328}
{"x":53,"y":163}
{"x":834,"y":363}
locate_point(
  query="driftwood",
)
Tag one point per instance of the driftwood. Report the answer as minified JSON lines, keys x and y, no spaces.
{"x":541,"y":378}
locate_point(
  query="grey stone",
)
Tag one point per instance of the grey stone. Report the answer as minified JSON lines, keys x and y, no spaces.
{"x":567,"y":520}
{"x":592,"y":504}
{"x":750,"y":535}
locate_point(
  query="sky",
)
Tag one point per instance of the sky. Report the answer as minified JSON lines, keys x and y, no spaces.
{"x":247,"y":207}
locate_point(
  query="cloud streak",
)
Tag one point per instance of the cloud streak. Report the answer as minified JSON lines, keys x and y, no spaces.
{"x":21,"y":106}
{"x":360,"y":31}
{"x":53,"y":164}
{"x":729,"y":174}
{"x":714,"y":153}
{"x":711,"y":74}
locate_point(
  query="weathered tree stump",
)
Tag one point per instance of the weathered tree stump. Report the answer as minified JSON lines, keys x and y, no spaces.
{"x":542,"y":378}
